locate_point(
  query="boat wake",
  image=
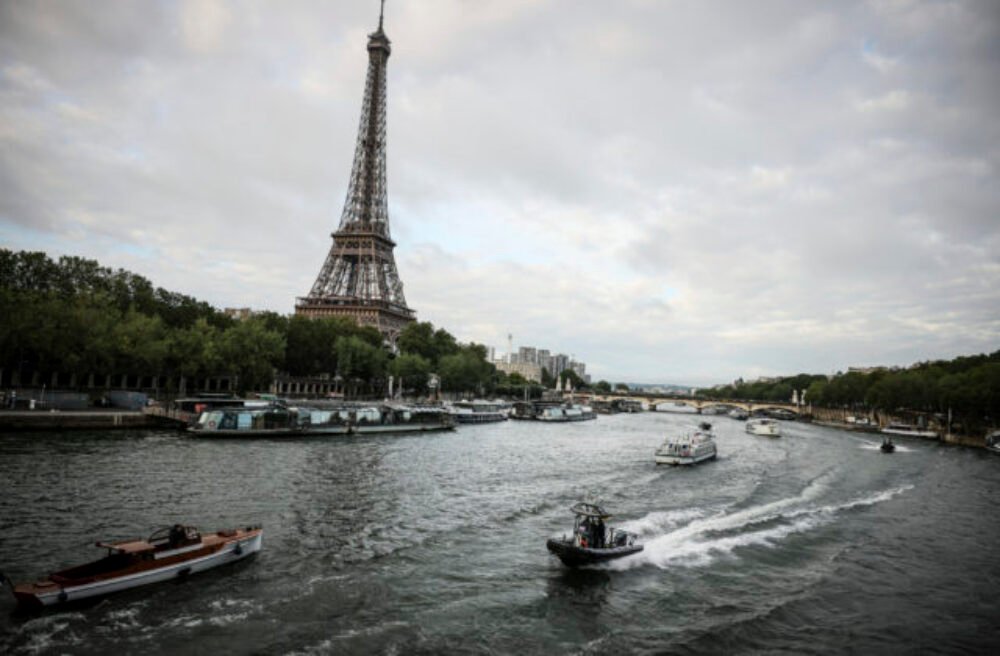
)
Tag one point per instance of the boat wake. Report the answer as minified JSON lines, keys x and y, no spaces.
{"x":870,"y":446}
{"x":710,"y":535}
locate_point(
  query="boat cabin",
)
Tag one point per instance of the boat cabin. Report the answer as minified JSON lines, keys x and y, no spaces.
{"x":590,"y":531}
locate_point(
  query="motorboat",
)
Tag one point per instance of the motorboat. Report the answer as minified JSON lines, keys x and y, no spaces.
{"x":480,"y":412}
{"x":689,"y":449}
{"x":897,"y":428}
{"x":887,"y":445}
{"x":171,"y":552}
{"x":739,"y":414}
{"x":993,"y":441}
{"x":592,"y":542}
{"x":763,"y":426}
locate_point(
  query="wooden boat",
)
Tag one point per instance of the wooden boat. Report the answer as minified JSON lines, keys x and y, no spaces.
{"x":592,"y":542}
{"x":169,"y":553}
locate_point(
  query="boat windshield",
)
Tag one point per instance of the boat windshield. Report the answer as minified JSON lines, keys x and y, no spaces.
{"x":589,"y":510}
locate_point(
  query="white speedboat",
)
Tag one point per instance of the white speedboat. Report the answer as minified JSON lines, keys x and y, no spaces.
{"x":690,"y":449}
{"x":896,"y":428}
{"x":763,"y":426}
{"x":993,"y":442}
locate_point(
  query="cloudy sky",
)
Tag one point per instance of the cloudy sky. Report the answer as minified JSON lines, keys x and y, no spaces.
{"x":671,"y":191}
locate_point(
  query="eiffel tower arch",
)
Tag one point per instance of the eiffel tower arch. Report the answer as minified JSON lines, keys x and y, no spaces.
{"x":359,"y":279}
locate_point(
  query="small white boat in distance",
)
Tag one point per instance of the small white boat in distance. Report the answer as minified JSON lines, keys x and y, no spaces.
{"x":697,"y":446}
{"x":763,"y":426}
{"x":907,"y":429}
{"x":993,"y":442}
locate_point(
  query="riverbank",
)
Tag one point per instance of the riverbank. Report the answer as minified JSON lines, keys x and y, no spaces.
{"x":40,"y":420}
{"x":946,"y":438}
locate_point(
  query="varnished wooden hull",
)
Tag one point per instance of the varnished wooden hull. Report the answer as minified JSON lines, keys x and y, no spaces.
{"x":215,"y":549}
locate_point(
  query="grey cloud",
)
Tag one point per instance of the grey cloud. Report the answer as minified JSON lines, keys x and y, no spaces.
{"x":683,"y":191}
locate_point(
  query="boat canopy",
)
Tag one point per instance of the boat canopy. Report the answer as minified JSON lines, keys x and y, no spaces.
{"x":589,"y":510}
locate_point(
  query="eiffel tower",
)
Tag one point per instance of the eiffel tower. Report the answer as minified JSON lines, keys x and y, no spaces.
{"x":359,"y":278}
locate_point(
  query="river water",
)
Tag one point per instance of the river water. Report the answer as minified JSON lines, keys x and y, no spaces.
{"x":812,"y":543}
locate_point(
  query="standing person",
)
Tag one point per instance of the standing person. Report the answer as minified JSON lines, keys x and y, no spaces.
{"x":600,"y":533}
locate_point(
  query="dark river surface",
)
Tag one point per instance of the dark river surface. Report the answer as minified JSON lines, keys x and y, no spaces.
{"x":812,"y":543}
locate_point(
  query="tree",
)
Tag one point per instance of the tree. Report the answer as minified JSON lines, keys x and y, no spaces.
{"x":602,"y":386}
{"x":252,"y":352}
{"x":412,"y":371}
{"x":360,"y":364}
{"x":465,"y":371}
{"x":139,"y":343}
{"x":421,"y":339}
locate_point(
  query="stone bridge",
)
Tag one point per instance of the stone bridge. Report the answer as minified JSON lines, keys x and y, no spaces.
{"x":654,"y":401}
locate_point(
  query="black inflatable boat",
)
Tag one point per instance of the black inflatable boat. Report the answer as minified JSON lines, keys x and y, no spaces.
{"x":592,"y":542}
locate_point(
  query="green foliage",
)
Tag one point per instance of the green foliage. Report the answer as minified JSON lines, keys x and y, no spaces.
{"x":252,"y":352}
{"x":621,"y":387}
{"x":969,"y":386}
{"x":466,"y":371}
{"x":572,"y":377}
{"x":360,"y":364}
{"x":602,"y":387}
{"x":420,"y":338}
{"x":412,"y":371}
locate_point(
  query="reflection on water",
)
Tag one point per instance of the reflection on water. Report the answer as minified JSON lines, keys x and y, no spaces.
{"x":431,"y":543}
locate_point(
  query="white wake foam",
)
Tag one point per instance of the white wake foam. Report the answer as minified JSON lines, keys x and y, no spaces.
{"x":694,"y":545}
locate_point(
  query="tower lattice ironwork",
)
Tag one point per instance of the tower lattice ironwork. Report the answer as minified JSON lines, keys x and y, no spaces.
{"x":359,"y":278}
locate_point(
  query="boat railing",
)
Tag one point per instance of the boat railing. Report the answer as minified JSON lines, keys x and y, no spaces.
{"x":620,"y":538}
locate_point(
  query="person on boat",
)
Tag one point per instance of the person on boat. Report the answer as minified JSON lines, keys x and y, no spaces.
{"x":599,"y":529}
{"x":177,"y":535}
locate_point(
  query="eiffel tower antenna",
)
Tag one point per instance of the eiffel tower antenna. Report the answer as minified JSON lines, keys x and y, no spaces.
{"x":358,"y":278}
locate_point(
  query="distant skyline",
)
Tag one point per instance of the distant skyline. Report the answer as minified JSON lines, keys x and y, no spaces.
{"x":686,"y":191}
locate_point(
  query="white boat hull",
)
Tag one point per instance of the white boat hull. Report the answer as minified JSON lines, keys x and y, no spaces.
{"x":911,"y":433}
{"x":237,"y":550}
{"x":762,"y":429}
{"x":667,"y":459}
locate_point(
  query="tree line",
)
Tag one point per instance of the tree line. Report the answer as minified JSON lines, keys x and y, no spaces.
{"x":73,"y":316}
{"x":966,"y":386}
